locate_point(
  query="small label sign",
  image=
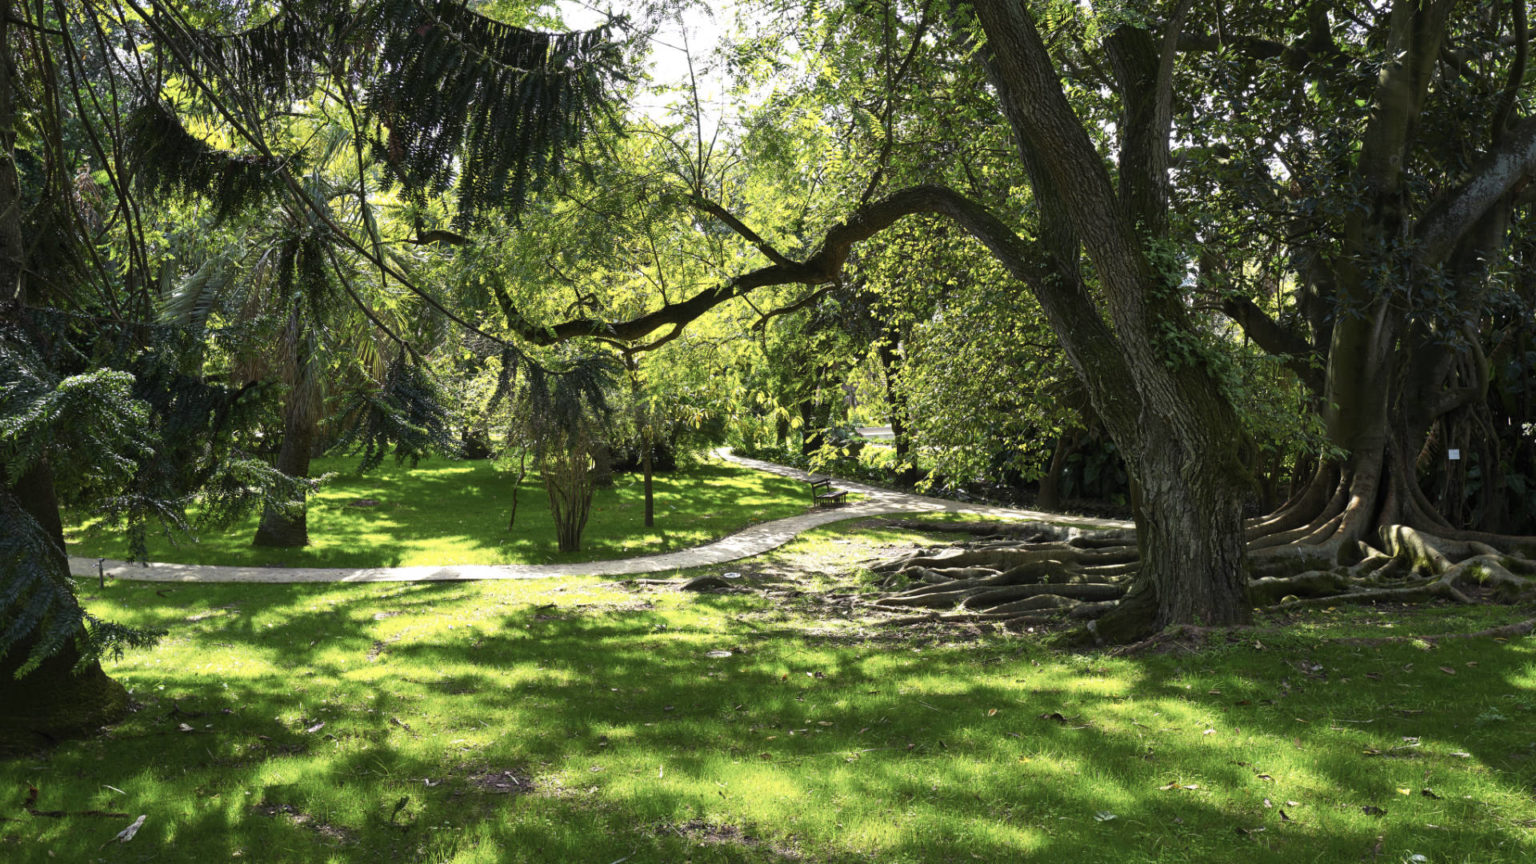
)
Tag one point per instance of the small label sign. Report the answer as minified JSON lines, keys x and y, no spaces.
{"x":1453,"y":454}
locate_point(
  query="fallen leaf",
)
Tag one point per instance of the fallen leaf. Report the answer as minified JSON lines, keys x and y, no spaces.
{"x":1372,"y":810}
{"x":316,"y":728}
{"x":1447,"y":670}
{"x":1460,"y":755}
{"x":823,"y":722}
{"x":1266,"y":777}
{"x":992,"y":712}
{"x":1104,"y":816}
{"x":1429,"y":793}
{"x":1246,"y":831}
{"x":126,"y":834}
{"x":1267,"y":804}
{"x":1283,"y":817}
{"x":1054,"y":715}
{"x":182,"y":727}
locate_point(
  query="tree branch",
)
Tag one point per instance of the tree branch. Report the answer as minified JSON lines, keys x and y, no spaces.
{"x":741,"y":228}
{"x":824,"y":266}
{"x":1275,"y":339}
{"x":1505,"y":168}
{"x":807,"y":300}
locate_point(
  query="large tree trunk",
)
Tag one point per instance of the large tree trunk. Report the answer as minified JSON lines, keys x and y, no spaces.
{"x":56,"y":699}
{"x":1177,"y":432}
{"x":289,"y":527}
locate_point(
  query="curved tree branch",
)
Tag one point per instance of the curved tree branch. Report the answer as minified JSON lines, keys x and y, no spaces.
{"x":824,"y":266}
{"x":1439,"y":229}
{"x":1275,"y":339}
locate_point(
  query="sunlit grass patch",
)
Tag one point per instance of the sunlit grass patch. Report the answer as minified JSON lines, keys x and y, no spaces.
{"x":443,"y":513}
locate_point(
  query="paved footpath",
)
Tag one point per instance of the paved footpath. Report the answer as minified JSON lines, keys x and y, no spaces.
{"x":754,"y":540}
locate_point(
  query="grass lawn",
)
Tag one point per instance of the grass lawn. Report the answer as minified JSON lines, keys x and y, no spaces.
{"x":589,"y":721}
{"x":445,"y":512}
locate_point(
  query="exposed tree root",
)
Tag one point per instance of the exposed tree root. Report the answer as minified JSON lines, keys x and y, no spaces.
{"x":1046,"y":574}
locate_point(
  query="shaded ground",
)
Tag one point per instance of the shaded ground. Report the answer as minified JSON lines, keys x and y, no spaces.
{"x":577,"y":720}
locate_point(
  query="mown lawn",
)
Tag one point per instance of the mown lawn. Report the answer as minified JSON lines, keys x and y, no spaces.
{"x":589,"y":721}
{"x":445,"y":512}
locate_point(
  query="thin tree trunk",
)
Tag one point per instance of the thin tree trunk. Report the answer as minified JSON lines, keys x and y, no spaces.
{"x":1050,"y":484}
{"x":517,"y":484}
{"x":645,"y":463}
{"x":290,"y":528}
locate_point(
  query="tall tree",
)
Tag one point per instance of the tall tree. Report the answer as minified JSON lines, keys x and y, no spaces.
{"x":457,"y":103}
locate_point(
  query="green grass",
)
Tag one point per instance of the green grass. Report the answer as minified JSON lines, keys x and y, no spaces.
{"x":817,"y":739}
{"x":456,"y":513}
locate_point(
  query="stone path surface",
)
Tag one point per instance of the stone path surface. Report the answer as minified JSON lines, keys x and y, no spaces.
{"x":754,"y":540}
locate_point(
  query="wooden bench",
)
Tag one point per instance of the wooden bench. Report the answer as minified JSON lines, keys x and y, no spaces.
{"x":823,"y":495}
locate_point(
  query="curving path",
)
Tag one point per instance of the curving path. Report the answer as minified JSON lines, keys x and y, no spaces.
{"x":754,"y":540}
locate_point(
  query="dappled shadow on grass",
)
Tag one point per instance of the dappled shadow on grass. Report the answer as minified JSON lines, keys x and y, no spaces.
{"x":634,"y":739}
{"x":456,"y":513}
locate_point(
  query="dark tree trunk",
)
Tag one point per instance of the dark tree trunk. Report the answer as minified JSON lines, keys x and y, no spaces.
{"x":56,"y":699}
{"x":810,"y":428}
{"x":890,"y":361}
{"x":645,"y":465}
{"x":517,"y":484}
{"x":1050,"y":484}
{"x":602,"y":464}
{"x":290,"y":528}
{"x":1177,"y":433}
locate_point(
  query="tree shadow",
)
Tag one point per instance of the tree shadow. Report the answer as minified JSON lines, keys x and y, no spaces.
{"x":423,"y":722}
